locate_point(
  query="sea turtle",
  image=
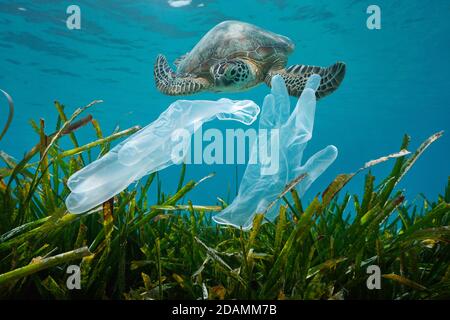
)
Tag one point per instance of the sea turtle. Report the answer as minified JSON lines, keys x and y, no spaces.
{"x":236,"y":56}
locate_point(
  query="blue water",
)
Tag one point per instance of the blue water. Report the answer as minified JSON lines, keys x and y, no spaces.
{"x":397,"y":78}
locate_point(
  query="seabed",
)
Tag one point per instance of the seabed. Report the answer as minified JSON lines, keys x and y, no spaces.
{"x":132,"y":248}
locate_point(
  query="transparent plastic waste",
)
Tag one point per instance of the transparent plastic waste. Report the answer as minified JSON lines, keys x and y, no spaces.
{"x":259,"y":189}
{"x":150,"y":149}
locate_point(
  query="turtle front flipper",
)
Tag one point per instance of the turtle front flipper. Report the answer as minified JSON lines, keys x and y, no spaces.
{"x":170,"y":83}
{"x":296,"y":76}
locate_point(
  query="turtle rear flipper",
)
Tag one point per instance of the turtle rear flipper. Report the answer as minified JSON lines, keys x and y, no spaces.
{"x":170,"y":83}
{"x":296,"y":76}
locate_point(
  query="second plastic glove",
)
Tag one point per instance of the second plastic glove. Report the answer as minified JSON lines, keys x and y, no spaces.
{"x":150,"y":149}
{"x":259,"y":186}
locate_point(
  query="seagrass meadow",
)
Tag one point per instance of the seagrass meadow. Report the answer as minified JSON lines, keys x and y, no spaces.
{"x":131,"y":248}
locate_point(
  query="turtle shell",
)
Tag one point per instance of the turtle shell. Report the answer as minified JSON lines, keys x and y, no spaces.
{"x":233,"y":39}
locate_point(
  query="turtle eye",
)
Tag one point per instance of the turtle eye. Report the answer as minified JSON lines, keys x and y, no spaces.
{"x":231,"y":72}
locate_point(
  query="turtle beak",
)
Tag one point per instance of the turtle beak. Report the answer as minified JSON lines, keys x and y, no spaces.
{"x":290,"y":46}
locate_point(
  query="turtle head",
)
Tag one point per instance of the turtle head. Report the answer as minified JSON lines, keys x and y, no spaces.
{"x":232,"y":75}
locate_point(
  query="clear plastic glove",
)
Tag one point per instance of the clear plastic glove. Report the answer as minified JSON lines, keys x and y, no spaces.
{"x":150,"y":149}
{"x":259,"y":189}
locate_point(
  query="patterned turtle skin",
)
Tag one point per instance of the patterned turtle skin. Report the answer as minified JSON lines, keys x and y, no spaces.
{"x":236,"y":56}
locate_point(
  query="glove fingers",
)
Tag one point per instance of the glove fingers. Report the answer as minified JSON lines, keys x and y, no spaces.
{"x":282,"y":103}
{"x":267,"y":120}
{"x":315,"y":166}
{"x":276,"y":106}
{"x":302,"y":118}
{"x":244,"y":111}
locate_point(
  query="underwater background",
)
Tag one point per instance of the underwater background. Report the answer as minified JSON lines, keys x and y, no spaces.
{"x":397,"y":78}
